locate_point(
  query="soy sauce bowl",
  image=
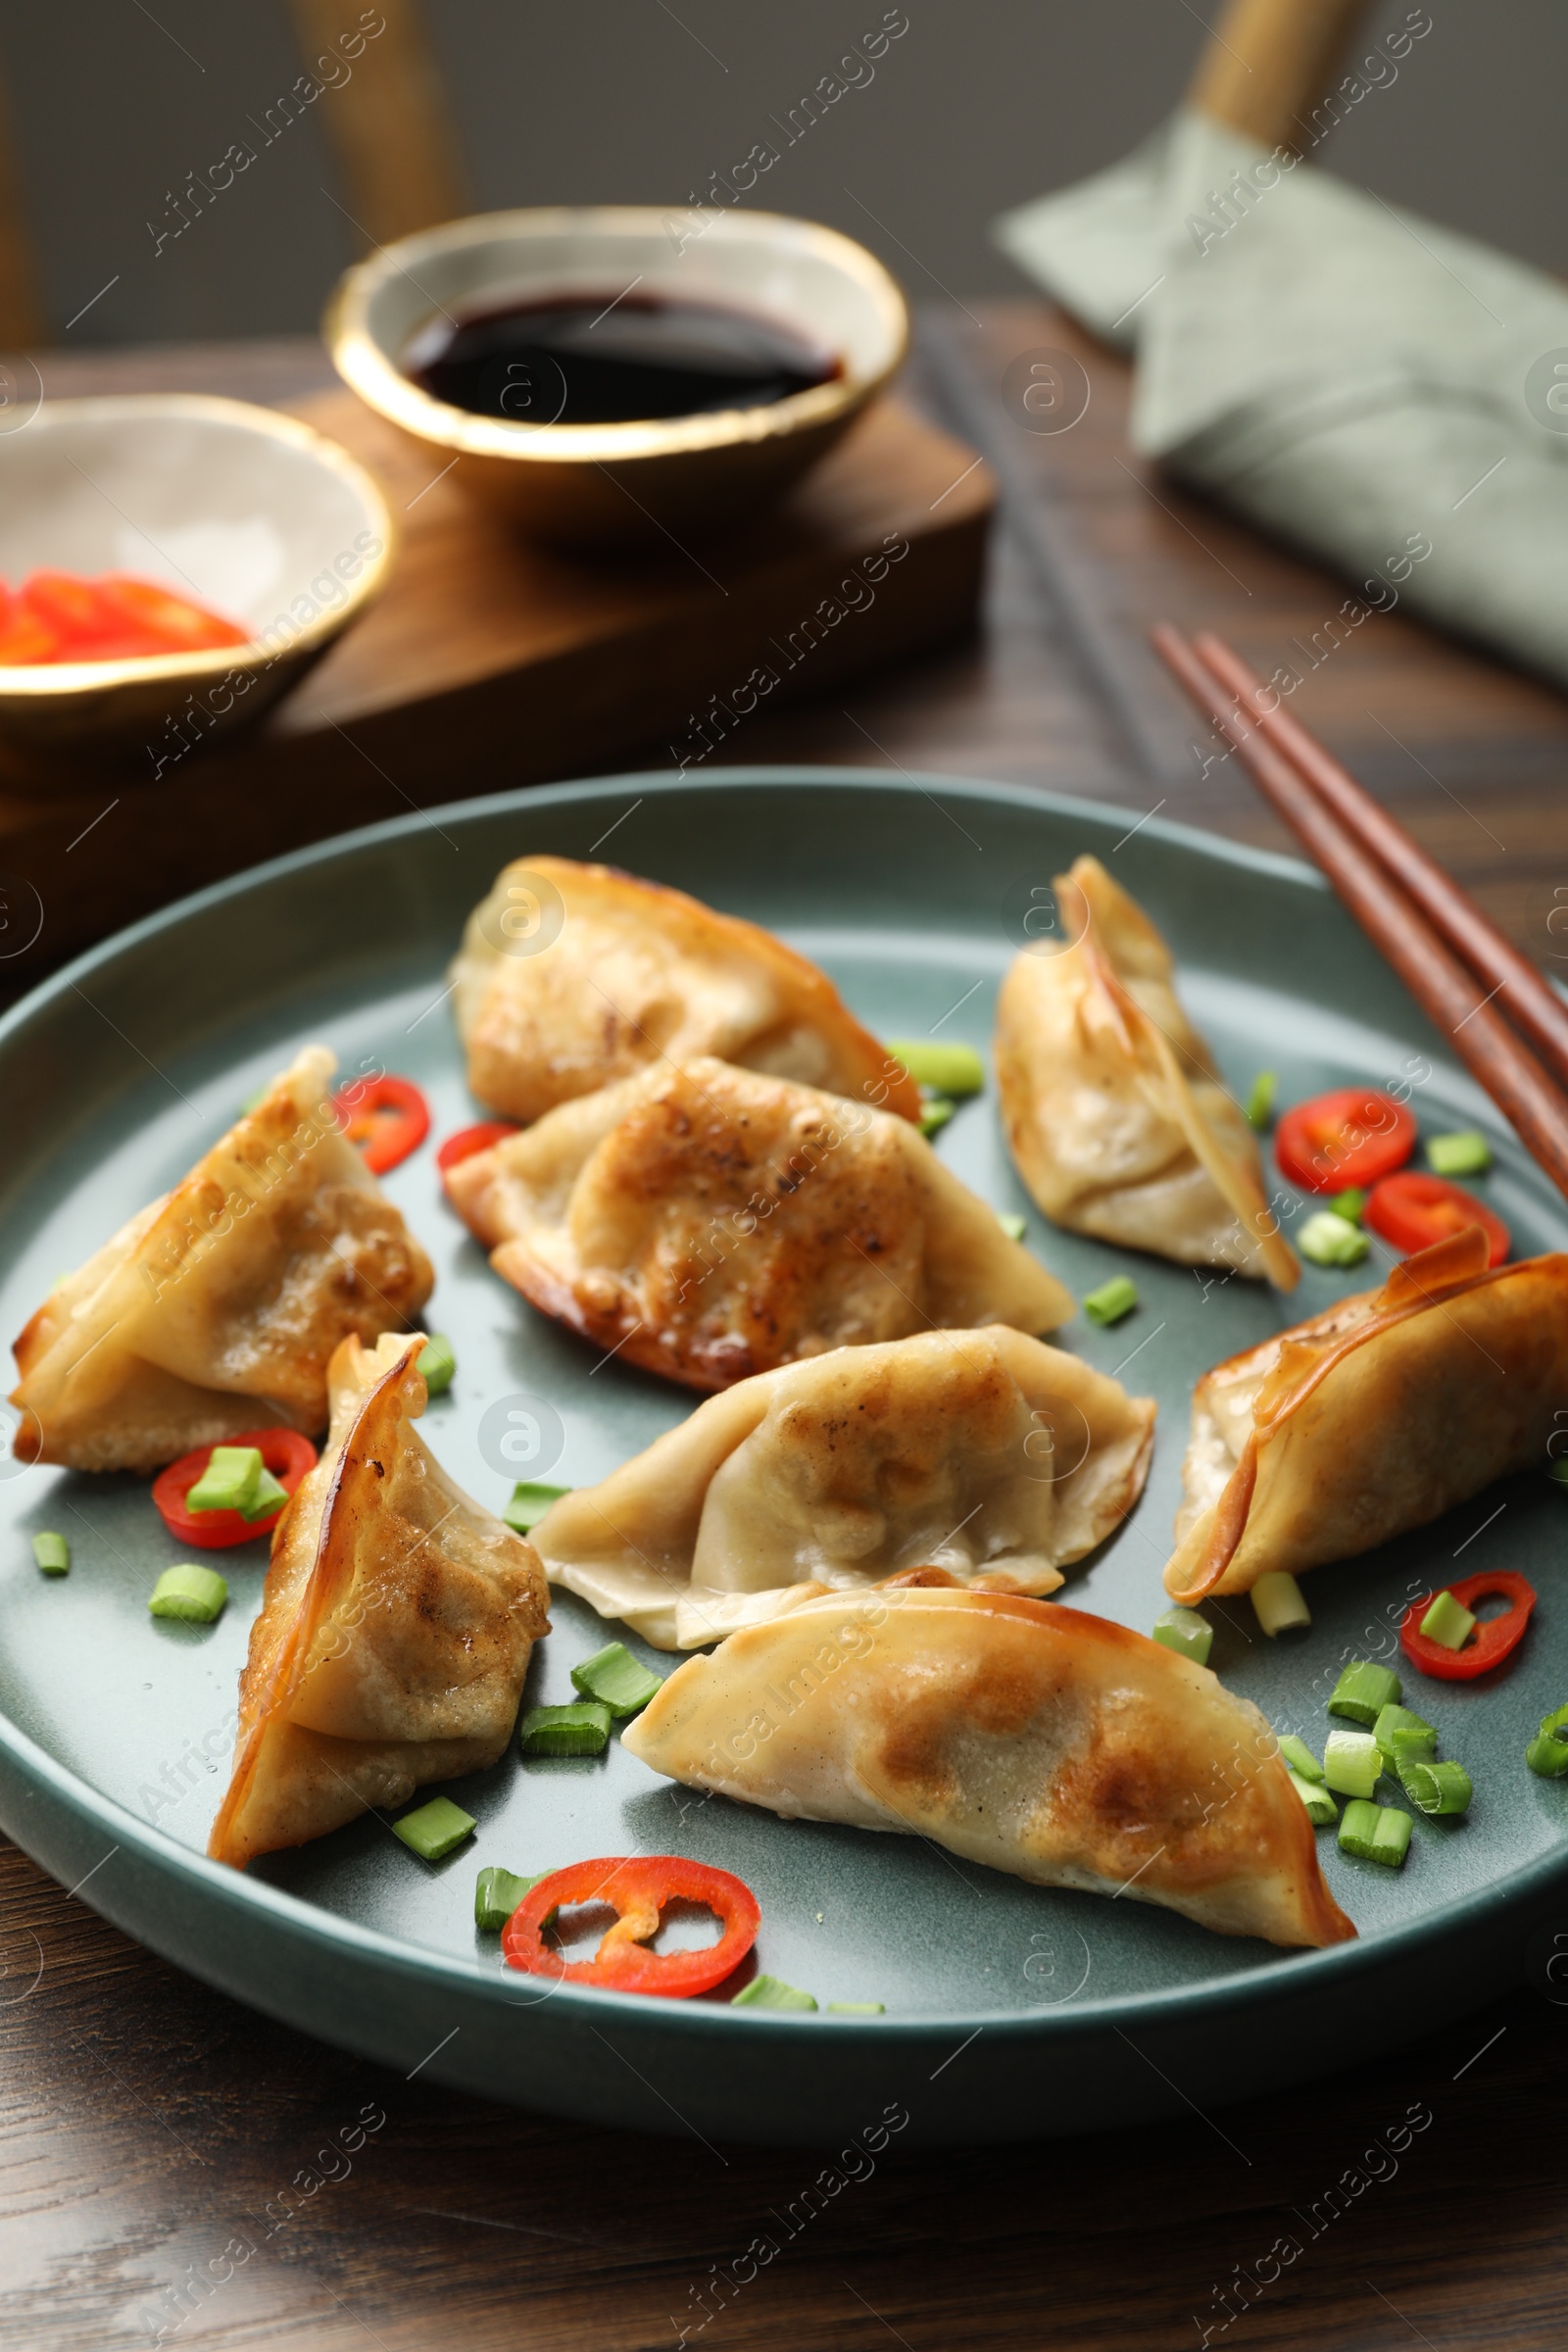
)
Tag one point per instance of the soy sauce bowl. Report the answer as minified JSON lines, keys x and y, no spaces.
{"x":640,"y":482}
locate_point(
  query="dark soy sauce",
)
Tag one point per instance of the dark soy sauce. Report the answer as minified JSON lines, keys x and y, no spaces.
{"x":593,"y":358}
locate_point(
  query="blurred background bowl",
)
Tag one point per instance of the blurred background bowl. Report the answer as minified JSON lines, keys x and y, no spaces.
{"x":610,"y":485}
{"x":250,"y":512}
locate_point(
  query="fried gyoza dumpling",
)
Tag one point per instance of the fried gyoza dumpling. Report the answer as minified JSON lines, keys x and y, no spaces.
{"x":981,"y":1452}
{"x":572,"y":976}
{"x":1015,"y":1732}
{"x":1373,"y":1418}
{"x":216,"y":1308}
{"x":708,"y":1223}
{"x":395,"y":1628}
{"x":1113,"y":1109}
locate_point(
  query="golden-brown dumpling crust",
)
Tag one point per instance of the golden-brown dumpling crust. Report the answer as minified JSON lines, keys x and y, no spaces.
{"x":216,"y":1308}
{"x":708,"y":1223}
{"x":638,"y":973}
{"x":395,"y":1628}
{"x":1015,"y":1732}
{"x":983,"y":1455}
{"x":1372,"y":1418}
{"x":1113,"y":1106}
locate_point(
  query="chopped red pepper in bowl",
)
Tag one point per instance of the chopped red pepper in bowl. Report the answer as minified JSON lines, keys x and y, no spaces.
{"x":1435,"y":1638}
{"x":637,"y":1887}
{"x":58,"y":616}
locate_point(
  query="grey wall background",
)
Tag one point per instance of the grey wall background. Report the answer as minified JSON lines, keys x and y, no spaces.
{"x":982,"y":104}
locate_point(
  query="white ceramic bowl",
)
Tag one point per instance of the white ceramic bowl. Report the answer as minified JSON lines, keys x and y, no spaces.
{"x":619,"y":483}
{"x":246,"y":510}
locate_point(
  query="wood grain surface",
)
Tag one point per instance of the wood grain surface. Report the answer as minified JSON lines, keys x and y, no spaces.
{"x":151,"y":2128}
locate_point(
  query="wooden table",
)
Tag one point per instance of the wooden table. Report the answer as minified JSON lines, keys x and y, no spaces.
{"x":146,"y":2120}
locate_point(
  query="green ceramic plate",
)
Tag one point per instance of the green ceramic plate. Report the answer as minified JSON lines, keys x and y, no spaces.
{"x":1011,"y":2011}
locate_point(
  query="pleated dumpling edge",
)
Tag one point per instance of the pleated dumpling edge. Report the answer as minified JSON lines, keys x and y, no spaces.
{"x":571,"y":976}
{"x":216,"y":1308}
{"x":1113,"y":1106}
{"x":984,"y":1456}
{"x":708,"y":1222}
{"x":396,"y":1625}
{"x":1018,"y":1734}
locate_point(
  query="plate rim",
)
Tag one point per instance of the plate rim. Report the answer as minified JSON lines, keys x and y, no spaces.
{"x":1270,"y":1983}
{"x":654,"y":783}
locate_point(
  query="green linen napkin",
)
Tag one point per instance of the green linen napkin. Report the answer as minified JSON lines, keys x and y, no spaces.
{"x":1387,"y":395}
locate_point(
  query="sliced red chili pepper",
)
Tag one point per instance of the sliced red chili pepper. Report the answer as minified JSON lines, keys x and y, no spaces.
{"x":1495,"y":1637}
{"x":387,"y":1118}
{"x":283,"y":1452}
{"x":115,"y":619}
{"x":69,"y":607}
{"x":1413,"y":1211}
{"x":638,"y":1886}
{"x":469,"y":1140}
{"x":173,"y":622}
{"x":23,"y":638}
{"x":1350,"y":1137}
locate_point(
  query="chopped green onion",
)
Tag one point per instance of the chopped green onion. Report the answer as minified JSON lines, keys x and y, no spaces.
{"x":229,"y":1480}
{"x":1261,"y":1102}
{"x":856,"y":2008}
{"x":1398,"y":1731}
{"x":771,"y":1992}
{"x":1467,"y":1154}
{"x":530,"y":1503}
{"x":497,"y":1895}
{"x":613,"y":1675}
{"x":1300,"y":1757}
{"x":52,"y":1553}
{"x":1547,"y":1753}
{"x":1278,"y":1604}
{"x":1375,"y":1832}
{"x":1435,"y":1787}
{"x":1321,"y":1809}
{"x":1012,"y":1225}
{"x":1447,"y":1622}
{"x":1352,"y":1763}
{"x":197,"y":1595}
{"x":935,"y":1112}
{"x":1363,"y":1691}
{"x":270,"y":1494}
{"x":1329,"y":1240}
{"x":1113,"y":1299}
{"x":435,"y":1364}
{"x":1185,"y":1631}
{"x":581,"y":1728}
{"x":1349,"y":1203}
{"x":433,"y":1830}
{"x":956,"y":1070}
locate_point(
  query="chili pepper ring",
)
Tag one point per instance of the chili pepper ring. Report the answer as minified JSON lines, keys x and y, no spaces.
{"x":637,"y":1886}
{"x":1495,"y":1637}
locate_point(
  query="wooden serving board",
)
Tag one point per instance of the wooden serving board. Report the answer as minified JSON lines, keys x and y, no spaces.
{"x":491,"y":661}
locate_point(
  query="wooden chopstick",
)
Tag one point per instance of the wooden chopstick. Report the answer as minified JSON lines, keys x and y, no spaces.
{"x":1528,"y":1001}
{"x":1440,"y":984}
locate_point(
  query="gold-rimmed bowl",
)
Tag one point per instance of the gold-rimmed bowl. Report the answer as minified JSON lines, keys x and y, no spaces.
{"x":250,"y":512}
{"x":610,"y":485}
